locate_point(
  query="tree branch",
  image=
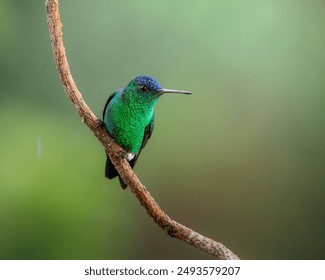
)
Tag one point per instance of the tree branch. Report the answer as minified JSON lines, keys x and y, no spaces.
{"x":171,"y":227}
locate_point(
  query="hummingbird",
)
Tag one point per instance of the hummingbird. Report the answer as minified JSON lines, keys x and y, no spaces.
{"x":129,"y":118}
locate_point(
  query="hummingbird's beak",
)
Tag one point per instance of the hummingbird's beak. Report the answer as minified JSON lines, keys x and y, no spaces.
{"x":166,"y":90}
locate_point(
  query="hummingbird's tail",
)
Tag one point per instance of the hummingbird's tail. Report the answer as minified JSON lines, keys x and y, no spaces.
{"x":110,"y":172}
{"x":123,"y":185}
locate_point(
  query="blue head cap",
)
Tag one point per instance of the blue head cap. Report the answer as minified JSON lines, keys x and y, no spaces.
{"x":150,"y":82}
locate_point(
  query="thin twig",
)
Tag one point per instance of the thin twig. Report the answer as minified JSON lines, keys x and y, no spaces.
{"x":171,"y":227}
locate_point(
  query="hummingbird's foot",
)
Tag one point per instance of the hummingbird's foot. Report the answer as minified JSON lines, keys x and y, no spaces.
{"x":126,"y":155}
{"x":100,"y":123}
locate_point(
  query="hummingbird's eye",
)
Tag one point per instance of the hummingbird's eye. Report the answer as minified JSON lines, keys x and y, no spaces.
{"x":143,"y":88}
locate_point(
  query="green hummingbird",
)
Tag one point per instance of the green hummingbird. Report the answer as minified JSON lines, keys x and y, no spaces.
{"x":129,"y":118}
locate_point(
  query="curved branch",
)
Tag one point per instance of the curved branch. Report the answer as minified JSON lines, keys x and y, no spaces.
{"x":171,"y":227}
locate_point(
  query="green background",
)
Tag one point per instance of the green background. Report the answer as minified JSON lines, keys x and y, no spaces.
{"x":242,"y":160}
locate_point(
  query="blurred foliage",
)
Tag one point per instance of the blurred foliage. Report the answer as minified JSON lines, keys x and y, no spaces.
{"x":241,"y":160}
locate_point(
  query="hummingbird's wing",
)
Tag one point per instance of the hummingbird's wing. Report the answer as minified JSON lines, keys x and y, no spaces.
{"x":147,"y":134}
{"x":110,"y":171}
{"x":108,"y":101}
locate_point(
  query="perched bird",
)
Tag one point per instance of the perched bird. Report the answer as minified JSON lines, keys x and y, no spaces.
{"x":129,"y":118}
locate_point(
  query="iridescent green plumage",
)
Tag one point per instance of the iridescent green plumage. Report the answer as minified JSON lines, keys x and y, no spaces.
{"x":129,"y":117}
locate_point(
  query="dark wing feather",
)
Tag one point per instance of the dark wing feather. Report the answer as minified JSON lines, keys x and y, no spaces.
{"x":107,"y":102}
{"x":110,"y":171}
{"x":147,"y":134}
